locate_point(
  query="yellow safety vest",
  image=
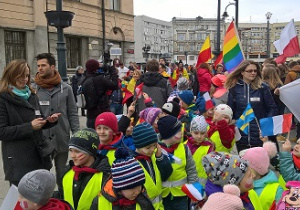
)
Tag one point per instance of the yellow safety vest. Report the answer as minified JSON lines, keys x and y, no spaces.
{"x":268,"y":195}
{"x":104,"y":204}
{"x":182,"y":133}
{"x":255,"y":200}
{"x":91,"y":190}
{"x":197,"y":156}
{"x":178,"y":176}
{"x":154,"y":188}
{"x":282,"y":182}
{"x":111,"y":156}
{"x":219,"y":147}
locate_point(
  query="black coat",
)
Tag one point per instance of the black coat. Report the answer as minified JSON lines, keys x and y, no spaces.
{"x":20,"y":152}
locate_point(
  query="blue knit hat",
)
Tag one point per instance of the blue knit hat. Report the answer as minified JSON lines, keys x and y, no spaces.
{"x":186,"y":96}
{"x":168,"y":126}
{"x":143,"y":135}
{"x":200,"y":104}
{"x":126,"y":172}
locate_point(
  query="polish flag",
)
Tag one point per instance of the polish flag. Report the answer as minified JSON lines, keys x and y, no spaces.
{"x":288,"y":43}
{"x":275,"y":125}
{"x":208,"y":102}
{"x":194,"y":191}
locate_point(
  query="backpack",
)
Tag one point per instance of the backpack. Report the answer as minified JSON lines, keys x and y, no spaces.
{"x":290,"y":199}
{"x":87,"y":94}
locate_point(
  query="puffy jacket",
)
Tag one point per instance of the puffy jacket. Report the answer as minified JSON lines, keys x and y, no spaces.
{"x":261,"y":102}
{"x":204,"y":79}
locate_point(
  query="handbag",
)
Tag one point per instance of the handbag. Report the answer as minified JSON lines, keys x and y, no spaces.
{"x":81,"y":102}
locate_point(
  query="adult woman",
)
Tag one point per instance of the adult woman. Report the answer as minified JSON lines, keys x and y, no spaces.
{"x":21,"y":122}
{"x":204,"y":75}
{"x":77,"y":80}
{"x":246,"y":86}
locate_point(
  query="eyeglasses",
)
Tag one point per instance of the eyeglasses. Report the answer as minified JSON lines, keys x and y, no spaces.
{"x":251,"y":71}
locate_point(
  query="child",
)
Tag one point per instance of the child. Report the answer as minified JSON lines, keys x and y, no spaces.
{"x":157,"y":167}
{"x":171,"y":108}
{"x":220,"y":131}
{"x":124,"y":190}
{"x":229,"y":200}
{"x":36,"y":189}
{"x":86,"y":171}
{"x":290,"y":161}
{"x":265,"y":183}
{"x":224,"y":168}
{"x":199,"y":144}
{"x":106,"y":126}
{"x":187,"y":103}
{"x":206,"y":111}
{"x":184,"y":169}
{"x":150,"y":115}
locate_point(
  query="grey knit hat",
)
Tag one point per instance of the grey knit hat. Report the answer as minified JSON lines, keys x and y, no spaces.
{"x":182,"y":84}
{"x":37,"y":186}
{"x":198,"y":124}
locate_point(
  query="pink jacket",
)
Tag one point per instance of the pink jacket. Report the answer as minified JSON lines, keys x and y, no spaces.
{"x":204,"y":79}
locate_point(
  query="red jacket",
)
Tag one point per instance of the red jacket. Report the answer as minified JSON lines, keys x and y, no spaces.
{"x":204,"y":79}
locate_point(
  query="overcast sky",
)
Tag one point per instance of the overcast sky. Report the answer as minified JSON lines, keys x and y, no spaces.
{"x":249,"y":10}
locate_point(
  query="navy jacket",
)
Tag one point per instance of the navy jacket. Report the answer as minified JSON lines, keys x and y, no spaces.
{"x":261,"y":102}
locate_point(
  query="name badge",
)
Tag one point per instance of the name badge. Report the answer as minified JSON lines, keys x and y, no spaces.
{"x":44,"y":103}
{"x":255,"y":99}
{"x":37,"y":112}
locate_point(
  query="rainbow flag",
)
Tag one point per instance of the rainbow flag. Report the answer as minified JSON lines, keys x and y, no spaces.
{"x":205,"y":52}
{"x":232,"y":53}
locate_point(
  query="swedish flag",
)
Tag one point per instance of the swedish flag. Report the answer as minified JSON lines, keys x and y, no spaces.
{"x":243,"y":122}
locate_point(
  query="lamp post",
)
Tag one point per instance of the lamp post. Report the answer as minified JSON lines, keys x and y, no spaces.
{"x":217,"y":49}
{"x":268,"y":16}
{"x":225,"y":14}
{"x":146,"y":50}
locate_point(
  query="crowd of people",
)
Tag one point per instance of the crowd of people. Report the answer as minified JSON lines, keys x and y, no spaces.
{"x":161,"y":138}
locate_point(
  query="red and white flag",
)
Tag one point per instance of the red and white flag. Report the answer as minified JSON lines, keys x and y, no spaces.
{"x":139,"y":90}
{"x":288,"y":43}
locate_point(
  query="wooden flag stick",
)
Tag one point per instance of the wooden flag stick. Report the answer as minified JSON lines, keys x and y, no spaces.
{"x":288,"y":135}
{"x":258,"y":124}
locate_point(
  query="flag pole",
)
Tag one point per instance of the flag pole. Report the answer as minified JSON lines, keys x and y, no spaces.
{"x":288,"y":135}
{"x":258,"y":124}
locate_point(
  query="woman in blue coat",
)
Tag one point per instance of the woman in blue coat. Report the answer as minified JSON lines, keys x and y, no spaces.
{"x":245,"y":86}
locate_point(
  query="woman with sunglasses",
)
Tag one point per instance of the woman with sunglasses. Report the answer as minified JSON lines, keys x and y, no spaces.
{"x":245,"y":86}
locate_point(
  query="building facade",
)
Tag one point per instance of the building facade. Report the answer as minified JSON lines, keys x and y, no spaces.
{"x":189,"y":35}
{"x":154,"y":33}
{"x":24,"y":31}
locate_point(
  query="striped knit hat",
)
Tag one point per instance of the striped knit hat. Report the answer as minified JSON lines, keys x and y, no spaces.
{"x":126,"y":172}
{"x":143,"y":135}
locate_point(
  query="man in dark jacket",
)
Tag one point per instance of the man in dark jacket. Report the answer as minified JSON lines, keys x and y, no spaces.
{"x":103,"y":82}
{"x":155,"y":85}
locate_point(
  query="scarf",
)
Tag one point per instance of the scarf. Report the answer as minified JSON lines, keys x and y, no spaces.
{"x":170,"y":149}
{"x":143,"y":157}
{"x":79,"y":170}
{"x":22,"y":93}
{"x":244,"y":197}
{"x":49,"y":82}
{"x":296,"y":161}
{"x":124,"y":202}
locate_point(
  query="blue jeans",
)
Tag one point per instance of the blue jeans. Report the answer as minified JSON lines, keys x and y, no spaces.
{"x":116,"y":108}
{"x":176,"y":203}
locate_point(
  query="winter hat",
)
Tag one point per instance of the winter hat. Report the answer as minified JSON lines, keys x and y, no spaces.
{"x":259,"y":157}
{"x":224,"y":109}
{"x":37,"y":186}
{"x":186,"y":96}
{"x":168,"y":126}
{"x":200,"y":104}
{"x":229,"y":199}
{"x":223,"y":168}
{"x":92,"y":65}
{"x":150,"y":114}
{"x":182,"y":84}
{"x":108,"y":119}
{"x":126,"y":172}
{"x":171,"y":108}
{"x":219,"y":80}
{"x":86,"y":140}
{"x":198,"y":124}
{"x":143,"y":135}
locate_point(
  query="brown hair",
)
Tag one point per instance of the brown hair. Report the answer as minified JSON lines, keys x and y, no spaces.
{"x":205,"y":66}
{"x":12,"y":72}
{"x":234,"y":76}
{"x":152,"y":65}
{"x":270,"y":76}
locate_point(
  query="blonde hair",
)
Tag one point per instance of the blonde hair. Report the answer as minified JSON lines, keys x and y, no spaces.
{"x":270,"y":76}
{"x":234,"y":76}
{"x":12,"y":72}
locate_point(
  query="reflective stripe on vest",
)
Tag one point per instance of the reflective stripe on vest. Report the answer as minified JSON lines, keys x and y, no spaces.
{"x":178,"y":176}
{"x":197,"y":156}
{"x":255,"y":200}
{"x":104,"y":204}
{"x":218,"y":143}
{"x":111,"y":156}
{"x":91,"y":190}
{"x":268,"y":195}
{"x":282,"y":182}
{"x":153,"y":188}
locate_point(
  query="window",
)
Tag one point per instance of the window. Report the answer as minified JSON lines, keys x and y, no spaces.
{"x":192,"y":57}
{"x":15,"y":45}
{"x":73,"y":52}
{"x":192,"y":36}
{"x":181,"y":48}
{"x":115,"y":5}
{"x":192,"y":47}
{"x":181,"y":37}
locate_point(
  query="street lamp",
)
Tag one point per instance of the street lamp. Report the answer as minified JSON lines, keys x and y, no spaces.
{"x":146,"y":50}
{"x":268,"y":16}
{"x":225,"y":14}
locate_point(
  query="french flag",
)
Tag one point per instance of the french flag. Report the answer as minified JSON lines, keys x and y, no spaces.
{"x":194,"y":191}
{"x":208,"y":102}
{"x":275,"y":125}
{"x":288,"y":43}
